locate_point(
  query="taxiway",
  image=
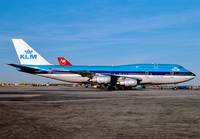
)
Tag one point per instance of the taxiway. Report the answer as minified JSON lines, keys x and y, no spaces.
{"x":61,"y":112}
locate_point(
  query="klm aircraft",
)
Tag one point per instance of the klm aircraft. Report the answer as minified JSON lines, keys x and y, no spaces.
{"x":109,"y":77}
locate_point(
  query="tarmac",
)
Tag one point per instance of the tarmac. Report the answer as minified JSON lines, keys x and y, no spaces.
{"x":67,"y":112}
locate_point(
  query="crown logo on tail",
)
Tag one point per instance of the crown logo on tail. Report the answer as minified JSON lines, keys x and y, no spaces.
{"x":28,"y":51}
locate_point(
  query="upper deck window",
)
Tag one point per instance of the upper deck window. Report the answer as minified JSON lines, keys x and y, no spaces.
{"x":147,"y":67}
{"x":166,"y":67}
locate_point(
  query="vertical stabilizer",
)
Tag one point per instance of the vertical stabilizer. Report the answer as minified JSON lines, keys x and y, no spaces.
{"x":63,"y":62}
{"x":28,"y":55}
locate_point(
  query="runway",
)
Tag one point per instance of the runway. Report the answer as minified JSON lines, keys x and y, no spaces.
{"x":67,"y":112}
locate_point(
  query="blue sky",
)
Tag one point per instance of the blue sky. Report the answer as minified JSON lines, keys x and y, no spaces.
{"x":101,"y":32}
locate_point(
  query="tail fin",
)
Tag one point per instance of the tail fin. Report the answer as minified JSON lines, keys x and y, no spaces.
{"x":62,"y":61}
{"x":28,"y":55}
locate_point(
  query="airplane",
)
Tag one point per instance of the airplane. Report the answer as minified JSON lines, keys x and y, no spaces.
{"x":109,"y":77}
{"x":63,"y":62}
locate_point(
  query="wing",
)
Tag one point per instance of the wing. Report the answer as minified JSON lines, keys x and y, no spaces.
{"x":90,"y":75}
{"x":82,"y":73}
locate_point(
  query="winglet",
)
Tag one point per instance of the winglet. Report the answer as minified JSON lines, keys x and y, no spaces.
{"x":63,"y":62}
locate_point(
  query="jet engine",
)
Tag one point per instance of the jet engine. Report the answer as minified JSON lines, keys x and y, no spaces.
{"x":102,"y":79}
{"x":128,"y":82}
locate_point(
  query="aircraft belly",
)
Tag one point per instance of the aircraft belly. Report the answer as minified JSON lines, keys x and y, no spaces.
{"x":152,"y":79}
{"x":146,"y":79}
{"x":170,"y":79}
{"x":75,"y":78}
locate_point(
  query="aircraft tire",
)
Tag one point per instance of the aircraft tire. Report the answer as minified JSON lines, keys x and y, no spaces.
{"x":109,"y":88}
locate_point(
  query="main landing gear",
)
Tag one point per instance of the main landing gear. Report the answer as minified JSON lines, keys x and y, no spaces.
{"x":109,"y":87}
{"x":175,"y":87}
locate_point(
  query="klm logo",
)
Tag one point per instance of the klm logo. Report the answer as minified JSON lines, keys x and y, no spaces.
{"x":175,"y":69}
{"x":28,"y":55}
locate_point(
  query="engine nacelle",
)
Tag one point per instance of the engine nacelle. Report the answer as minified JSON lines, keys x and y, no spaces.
{"x":102,"y":79}
{"x":129,"y":82}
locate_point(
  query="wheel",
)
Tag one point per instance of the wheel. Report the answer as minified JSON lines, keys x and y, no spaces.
{"x":143,"y":87}
{"x":109,"y":88}
{"x":118,"y":87}
{"x":103,"y":87}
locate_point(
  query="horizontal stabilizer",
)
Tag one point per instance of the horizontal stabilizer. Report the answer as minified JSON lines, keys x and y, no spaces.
{"x":24,"y":68}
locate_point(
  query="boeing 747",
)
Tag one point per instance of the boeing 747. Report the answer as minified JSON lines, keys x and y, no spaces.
{"x":109,"y":77}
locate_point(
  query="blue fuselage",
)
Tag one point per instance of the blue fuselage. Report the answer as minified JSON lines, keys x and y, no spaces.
{"x":147,"y":73}
{"x":134,"y":69}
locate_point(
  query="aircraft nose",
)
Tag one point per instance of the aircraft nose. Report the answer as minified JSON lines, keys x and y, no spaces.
{"x":190,"y":76}
{"x":193,"y":75}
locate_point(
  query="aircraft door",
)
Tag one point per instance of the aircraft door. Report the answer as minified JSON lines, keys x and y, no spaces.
{"x":156,"y":66}
{"x":146,"y":74}
{"x":172,"y":74}
{"x":49,"y":72}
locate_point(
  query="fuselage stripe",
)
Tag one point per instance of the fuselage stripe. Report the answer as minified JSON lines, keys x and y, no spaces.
{"x":122,"y":73}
